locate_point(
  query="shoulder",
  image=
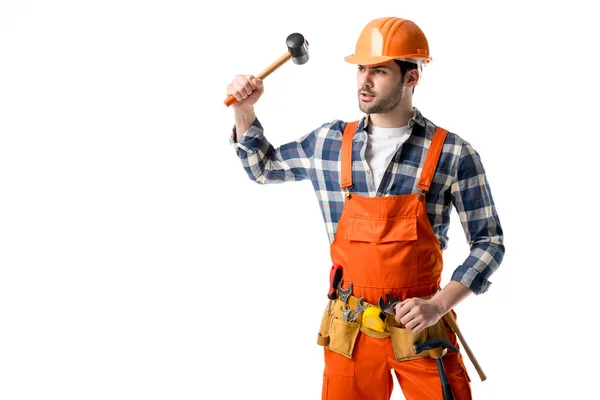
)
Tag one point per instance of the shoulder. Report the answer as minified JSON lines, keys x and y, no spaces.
{"x":336,"y":127}
{"x":454,"y":142}
{"x":458,"y":156}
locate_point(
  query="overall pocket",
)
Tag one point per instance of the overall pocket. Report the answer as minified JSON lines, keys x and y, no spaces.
{"x":393,"y":240}
{"x":342,"y":336}
{"x":402,"y":228}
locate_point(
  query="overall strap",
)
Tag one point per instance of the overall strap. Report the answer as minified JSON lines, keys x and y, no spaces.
{"x":346,"y":154}
{"x":431,"y":160}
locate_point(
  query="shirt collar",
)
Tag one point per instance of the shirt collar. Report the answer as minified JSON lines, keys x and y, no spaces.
{"x":416,"y":118}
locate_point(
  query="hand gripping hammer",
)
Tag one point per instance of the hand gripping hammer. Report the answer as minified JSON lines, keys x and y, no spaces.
{"x":297,"y":51}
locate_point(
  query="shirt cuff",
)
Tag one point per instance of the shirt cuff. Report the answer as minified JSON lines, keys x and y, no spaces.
{"x":250,"y":140}
{"x":472,"y":279}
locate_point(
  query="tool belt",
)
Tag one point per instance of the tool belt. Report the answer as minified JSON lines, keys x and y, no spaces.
{"x":339,"y":335}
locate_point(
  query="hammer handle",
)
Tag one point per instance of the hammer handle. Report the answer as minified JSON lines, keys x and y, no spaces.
{"x":229,"y":100}
{"x":446,"y":389}
{"x":449,"y":317}
{"x":266,"y":72}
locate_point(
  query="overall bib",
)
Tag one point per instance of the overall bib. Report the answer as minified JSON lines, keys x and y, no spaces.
{"x":386,"y":246}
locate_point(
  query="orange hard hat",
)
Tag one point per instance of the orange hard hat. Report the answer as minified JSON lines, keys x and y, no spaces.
{"x":390,"y":38}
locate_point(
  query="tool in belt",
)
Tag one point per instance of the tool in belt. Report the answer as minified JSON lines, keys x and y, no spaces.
{"x":342,"y":319}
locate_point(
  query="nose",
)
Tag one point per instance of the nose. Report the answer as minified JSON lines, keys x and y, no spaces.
{"x":365,"y":78}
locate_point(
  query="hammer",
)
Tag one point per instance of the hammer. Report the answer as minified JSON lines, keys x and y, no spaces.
{"x":449,"y":317}
{"x":297,"y":50}
{"x":437,"y":348}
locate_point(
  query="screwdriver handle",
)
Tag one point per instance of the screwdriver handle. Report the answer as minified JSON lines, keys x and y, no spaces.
{"x":335,"y":276}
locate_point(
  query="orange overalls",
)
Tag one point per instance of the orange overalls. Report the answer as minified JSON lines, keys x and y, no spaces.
{"x":386,"y":245}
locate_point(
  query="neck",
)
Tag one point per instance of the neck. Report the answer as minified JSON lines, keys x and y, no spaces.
{"x":393,"y":119}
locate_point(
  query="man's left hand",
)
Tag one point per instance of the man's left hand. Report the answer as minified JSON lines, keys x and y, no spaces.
{"x":417,"y":314}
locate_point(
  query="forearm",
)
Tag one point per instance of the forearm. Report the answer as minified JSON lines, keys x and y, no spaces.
{"x":243,"y":121}
{"x":452,"y":294}
{"x":263,"y":162}
{"x":417,"y":314}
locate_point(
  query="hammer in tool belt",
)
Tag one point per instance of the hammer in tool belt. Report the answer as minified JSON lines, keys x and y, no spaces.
{"x":449,"y":317}
{"x":297,"y":51}
{"x":437,"y":348}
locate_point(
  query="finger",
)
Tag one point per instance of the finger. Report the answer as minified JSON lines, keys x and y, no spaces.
{"x":401,"y":312}
{"x":407,"y":302}
{"x":249,"y":86}
{"x":415,"y":320}
{"x":412,"y":324}
{"x":246,"y":89}
{"x":403,"y":308}
{"x":241,"y":89}
{"x":236,"y":93}
{"x":418,"y":328}
{"x":252,"y":82}
{"x":408,"y":318}
{"x":232,"y":91}
{"x":235,"y":83}
{"x":240,"y":85}
{"x":259,"y":84}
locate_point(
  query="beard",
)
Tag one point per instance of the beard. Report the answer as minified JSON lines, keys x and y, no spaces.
{"x":384,"y":103}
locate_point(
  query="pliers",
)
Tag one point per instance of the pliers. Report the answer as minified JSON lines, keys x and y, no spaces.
{"x":389,"y":307}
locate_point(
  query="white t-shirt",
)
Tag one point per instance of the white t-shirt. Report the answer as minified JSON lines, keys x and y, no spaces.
{"x":382,"y":144}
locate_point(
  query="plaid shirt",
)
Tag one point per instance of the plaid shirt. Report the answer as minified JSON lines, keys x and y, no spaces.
{"x":459,"y":180}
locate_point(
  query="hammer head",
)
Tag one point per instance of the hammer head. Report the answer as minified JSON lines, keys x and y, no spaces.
{"x":298,"y":47}
{"x":434,"y":344}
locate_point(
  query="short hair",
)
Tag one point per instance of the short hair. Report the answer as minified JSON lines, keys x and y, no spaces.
{"x":406,"y":66}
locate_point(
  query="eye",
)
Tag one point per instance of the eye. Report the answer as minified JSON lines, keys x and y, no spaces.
{"x":361,"y":68}
{"x":380,"y":71}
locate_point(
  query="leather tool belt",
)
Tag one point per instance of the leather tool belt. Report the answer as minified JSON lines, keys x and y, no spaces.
{"x":339,"y":334}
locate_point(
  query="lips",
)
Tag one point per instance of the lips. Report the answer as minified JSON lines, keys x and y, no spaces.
{"x":366,"y":96}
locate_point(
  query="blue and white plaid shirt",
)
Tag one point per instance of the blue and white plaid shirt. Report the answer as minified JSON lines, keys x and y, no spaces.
{"x":459,"y":180}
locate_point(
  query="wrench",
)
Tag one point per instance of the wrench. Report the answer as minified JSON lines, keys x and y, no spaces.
{"x":345,"y":313}
{"x":390,"y":307}
{"x":344,"y":294}
{"x":359,"y":308}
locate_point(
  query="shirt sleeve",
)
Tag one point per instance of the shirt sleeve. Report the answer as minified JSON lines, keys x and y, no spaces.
{"x":472,"y":197}
{"x":266,"y":164}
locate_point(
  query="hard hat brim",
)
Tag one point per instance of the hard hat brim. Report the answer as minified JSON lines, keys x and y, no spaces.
{"x":371,"y":60}
{"x":367,"y":60}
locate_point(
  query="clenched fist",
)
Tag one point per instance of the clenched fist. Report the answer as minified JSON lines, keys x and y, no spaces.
{"x":247,"y":89}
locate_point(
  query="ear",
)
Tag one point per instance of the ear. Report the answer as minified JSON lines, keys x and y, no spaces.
{"x":412,"y":78}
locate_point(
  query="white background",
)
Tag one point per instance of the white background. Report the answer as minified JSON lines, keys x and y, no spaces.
{"x":138,"y":261}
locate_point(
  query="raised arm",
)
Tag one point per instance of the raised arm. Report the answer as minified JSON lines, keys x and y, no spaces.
{"x":262,"y":161}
